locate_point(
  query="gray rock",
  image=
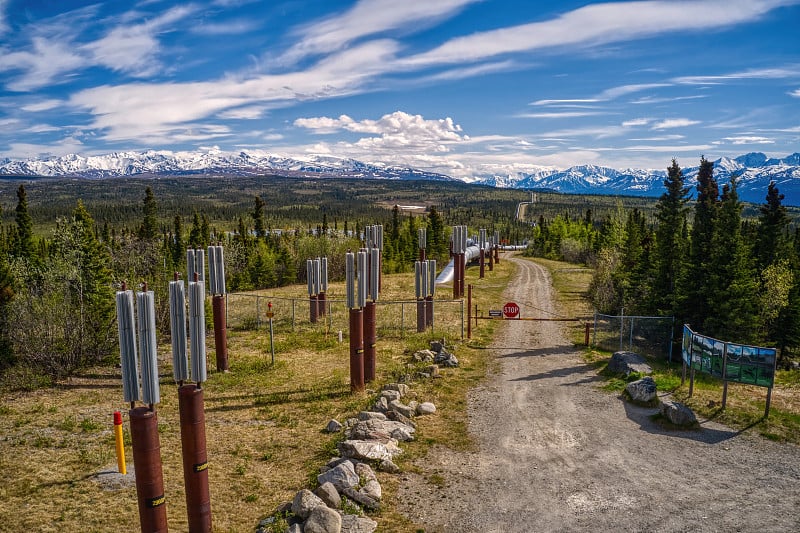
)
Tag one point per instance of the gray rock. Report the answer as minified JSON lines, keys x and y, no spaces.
{"x":437,"y":346}
{"x":391,"y":395}
{"x":323,"y":520}
{"x":401,"y":408}
{"x":424,"y":356}
{"x":445,"y":358}
{"x":341,"y":476}
{"x":375,"y":450}
{"x":334,"y":426}
{"x":426,"y":408}
{"x":380,"y":429}
{"x":372,"y":488}
{"x":283,"y":508}
{"x":627,"y":362}
{"x":402,"y":434}
{"x":402,"y":388}
{"x":295,"y":528}
{"x":643,"y":390}
{"x":394,"y":415}
{"x":381,"y":405}
{"x":304,"y":502}
{"x":433,"y":371}
{"x":365,"y":472}
{"x":371,"y":415}
{"x":358,"y":524}
{"x":328,"y":494}
{"x":362,"y":499}
{"x":678,"y":413}
{"x":389,"y":467}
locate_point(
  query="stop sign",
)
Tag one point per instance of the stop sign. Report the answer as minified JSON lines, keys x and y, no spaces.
{"x":511,"y":310}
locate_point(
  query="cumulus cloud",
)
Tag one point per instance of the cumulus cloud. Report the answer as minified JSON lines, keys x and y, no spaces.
{"x":674,"y":123}
{"x":795,"y":93}
{"x":398,"y":130}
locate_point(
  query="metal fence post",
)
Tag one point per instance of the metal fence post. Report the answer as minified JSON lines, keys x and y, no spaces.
{"x":630,"y":338}
{"x":292,"y":314}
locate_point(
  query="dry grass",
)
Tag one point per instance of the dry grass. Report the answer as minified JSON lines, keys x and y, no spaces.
{"x":263,"y":422}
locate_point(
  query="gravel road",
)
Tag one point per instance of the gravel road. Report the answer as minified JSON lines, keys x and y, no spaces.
{"x":556,"y":453}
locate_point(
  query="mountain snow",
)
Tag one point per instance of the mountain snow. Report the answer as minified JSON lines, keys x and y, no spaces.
{"x":754,"y":170}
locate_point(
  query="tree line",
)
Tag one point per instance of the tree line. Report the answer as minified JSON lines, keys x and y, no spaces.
{"x":729,"y":277}
{"x":57,"y":307}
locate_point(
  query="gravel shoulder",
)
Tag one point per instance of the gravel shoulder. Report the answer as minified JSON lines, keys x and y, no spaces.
{"x":556,"y":453}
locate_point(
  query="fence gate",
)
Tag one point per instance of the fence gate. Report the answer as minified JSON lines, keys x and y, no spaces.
{"x":648,"y":335}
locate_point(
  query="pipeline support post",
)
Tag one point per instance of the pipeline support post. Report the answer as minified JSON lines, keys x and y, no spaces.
{"x":420,"y":315}
{"x":429,"y":311}
{"x":469,"y":310}
{"x":370,"y":339}
{"x":482,"y":263}
{"x":149,"y":475}
{"x":220,"y":332}
{"x":195,"y":458}
{"x":356,"y":350}
{"x":313,"y":309}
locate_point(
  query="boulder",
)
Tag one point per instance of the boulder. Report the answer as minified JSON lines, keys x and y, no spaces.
{"x":358,"y":524}
{"x":394,"y":415}
{"x":341,"y":476}
{"x":426,"y":408}
{"x":328,"y":494}
{"x":402,"y":388}
{"x":391,"y":395}
{"x":304,"y":502}
{"x":389,"y":467}
{"x":334,"y":426}
{"x":381,"y":405}
{"x":371,"y":415}
{"x":678,"y":413}
{"x":432,"y":371}
{"x":323,"y":520}
{"x":628,"y":362}
{"x":642,"y":390}
{"x":362,"y":499}
{"x":380,"y":429}
{"x":402,"y":408}
{"x":445,"y":358}
{"x":375,"y":450}
{"x":295,"y":528}
{"x":424,"y":356}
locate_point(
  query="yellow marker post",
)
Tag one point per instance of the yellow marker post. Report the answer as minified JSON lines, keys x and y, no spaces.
{"x":119,"y":443}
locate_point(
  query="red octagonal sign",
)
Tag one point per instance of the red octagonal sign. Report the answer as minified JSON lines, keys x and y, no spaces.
{"x":511,"y":310}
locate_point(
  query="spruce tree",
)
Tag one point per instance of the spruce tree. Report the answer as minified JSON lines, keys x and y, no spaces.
{"x":732,"y":292}
{"x":23,"y":241}
{"x":258,"y":218}
{"x":178,"y":244}
{"x":772,"y":238}
{"x":669,"y":253}
{"x":697,"y":282}
{"x":148,"y":231}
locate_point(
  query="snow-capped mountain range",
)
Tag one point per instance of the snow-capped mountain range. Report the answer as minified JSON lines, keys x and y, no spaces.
{"x":755,"y":171}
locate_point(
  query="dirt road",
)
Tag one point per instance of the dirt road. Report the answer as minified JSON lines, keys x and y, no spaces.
{"x":556,"y":453}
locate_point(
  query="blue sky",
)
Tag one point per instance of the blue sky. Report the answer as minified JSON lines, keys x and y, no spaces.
{"x":463,"y":87}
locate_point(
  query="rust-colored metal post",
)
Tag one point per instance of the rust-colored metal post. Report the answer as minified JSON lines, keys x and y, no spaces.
{"x":586,"y":333}
{"x":497,"y":253}
{"x":370,"y":338}
{"x":313,"y":309}
{"x":463,"y":272}
{"x":469,"y":310}
{"x":149,"y":476}
{"x":356,"y":350}
{"x":195,"y":459}
{"x":483,"y":262}
{"x":428,"y":311}
{"x":220,"y":332}
{"x":422,"y":256}
{"x":322,"y":305}
{"x":420,"y":315}
{"x":491,"y":261}
{"x":456,"y":277}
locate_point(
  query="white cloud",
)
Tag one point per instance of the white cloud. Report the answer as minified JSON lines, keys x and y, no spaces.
{"x":44,"y":64}
{"x":636,"y":122}
{"x":661,"y":100}
{"x":674,"y":123}
{"x":244,"y":113}
{"x":567,"y":102}
{"x":790,"y":71}
{"x":622,"y":90}
{"x":233,"y":27}
{"x":594,"y":25}
{"x":133,"y":48}
{"x":68,"y":145}
{"x":42,"y":105}
{"x":562,"y":114}
{"x":398,"y":130}
{"x":471,"y":72}
{"x":3,"y":23}
{"x":368,"y":17}
{"x":749,"y":140}
{"x":795,"y":93}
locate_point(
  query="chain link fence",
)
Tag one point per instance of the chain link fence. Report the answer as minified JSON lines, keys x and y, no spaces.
{"x":647,"y":335}
{"x":394,"y":318}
